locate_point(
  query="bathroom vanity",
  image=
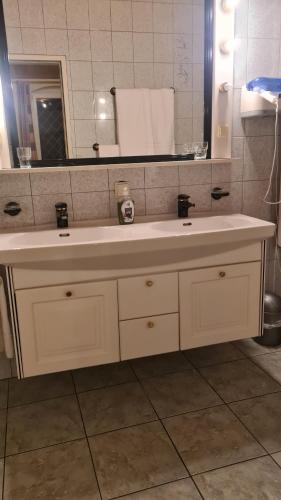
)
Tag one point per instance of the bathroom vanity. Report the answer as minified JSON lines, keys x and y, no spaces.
{"x":88,"y":296}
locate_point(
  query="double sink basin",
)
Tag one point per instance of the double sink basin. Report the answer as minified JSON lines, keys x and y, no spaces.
{"x":139,"y":238}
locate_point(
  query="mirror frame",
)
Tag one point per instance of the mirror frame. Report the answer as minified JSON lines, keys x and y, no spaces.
{"x":10,"y":114}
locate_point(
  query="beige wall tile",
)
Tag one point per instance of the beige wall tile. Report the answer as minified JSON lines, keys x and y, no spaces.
{"x":54,"y":13}
{"x":11,"y":13}
{"x":89,"y":180}
{"x":50,"y":182}
{"x":121,"y":15}
{"x":14,"y":40}
{"x":100,"y":18}
{"x":33,"y":41}
{"x":31,"y":13}
{"x":161,"y":177}
{"x":197,"y":174}
{"x":93,"y":205}
{"x":15,"y":184}
{"x":77,"y":17}
{"x":79,"y":45}
{"x":161,"y":200}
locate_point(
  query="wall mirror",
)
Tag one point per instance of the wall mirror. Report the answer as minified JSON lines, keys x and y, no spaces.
{"x":72,"y":76}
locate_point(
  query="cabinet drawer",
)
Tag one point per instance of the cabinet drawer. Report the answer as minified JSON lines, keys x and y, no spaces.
{"x":148,"y":295}
{"x":149,"y":336}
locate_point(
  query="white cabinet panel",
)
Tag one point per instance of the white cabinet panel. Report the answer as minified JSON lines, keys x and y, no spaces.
{"x":149,"y":336}
{"x":66,"y":327}
{"x":148,"y":295}
{"x":219,"y":304}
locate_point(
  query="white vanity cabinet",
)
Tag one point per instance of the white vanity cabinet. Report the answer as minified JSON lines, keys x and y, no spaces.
{"x":219,"y":304}
{"x":69,"y":326}
{"x":87,"y":314}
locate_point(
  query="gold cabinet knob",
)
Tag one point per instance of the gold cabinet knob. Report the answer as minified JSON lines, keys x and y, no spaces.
{"x":149,"y":283}
{"x":150,"y":324}
{"x":68,"y":294}
{"x":222,"y":274}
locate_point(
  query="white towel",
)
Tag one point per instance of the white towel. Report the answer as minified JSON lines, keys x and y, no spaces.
{"x":108,"y":150}
{"x":163,"y":121}
{"x":134,"y":124}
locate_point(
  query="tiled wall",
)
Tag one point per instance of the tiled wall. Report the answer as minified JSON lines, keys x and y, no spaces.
{"x":122,"y":43}
{"x":258,"y":32}
{"x":89,"y":192}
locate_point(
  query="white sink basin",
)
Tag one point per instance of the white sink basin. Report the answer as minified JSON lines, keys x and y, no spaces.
{"x":137,"y":238}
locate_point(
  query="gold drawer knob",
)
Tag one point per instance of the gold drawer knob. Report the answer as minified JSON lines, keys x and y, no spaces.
{"x":149,"y":283}
{"x":150,"y":324}
{"x":68,"y":294}
{"x":222,"y":274}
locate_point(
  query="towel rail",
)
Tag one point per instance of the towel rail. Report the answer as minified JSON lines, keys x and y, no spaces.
{"x":113,"y":90}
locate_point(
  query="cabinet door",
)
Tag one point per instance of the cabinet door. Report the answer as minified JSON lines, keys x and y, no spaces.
{"x":67,"y":327}
{"x":219,"y":304}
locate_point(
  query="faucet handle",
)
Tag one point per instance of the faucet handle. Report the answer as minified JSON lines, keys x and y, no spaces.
{"x":61,"y":206}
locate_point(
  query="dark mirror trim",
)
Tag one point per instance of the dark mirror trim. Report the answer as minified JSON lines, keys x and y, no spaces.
{"x":11,"y":116}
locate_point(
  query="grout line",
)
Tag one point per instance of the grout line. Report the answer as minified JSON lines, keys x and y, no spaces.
{"x":164,"y":428}
{"x":244,"y":426}
{"x":87,"y":439}
{"x":44,"y":447}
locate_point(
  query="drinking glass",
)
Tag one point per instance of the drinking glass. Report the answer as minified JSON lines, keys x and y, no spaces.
{"x":24,"y":156}
{"x":200,"y":150}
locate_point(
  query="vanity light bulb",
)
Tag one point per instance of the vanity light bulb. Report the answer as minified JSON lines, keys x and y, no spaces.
{"x":102,"y":116}
{"x":227,"y":46}
{"x":229,"y":5}
{"x":102,"y":100}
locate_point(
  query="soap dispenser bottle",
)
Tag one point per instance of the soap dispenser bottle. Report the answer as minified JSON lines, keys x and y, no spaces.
{"x":125,"y":204}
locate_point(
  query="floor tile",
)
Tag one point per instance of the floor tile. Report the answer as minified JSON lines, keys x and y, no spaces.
{"x":59,"y":472}
{"x":3,"y":393}
{"x":211,"y":438}
{"x":102,"y":376}
{"x":213,"y":354}
{"x":262,"y":416}
{"x":115,"y":407}
{"x":3,"y":420}
{"x":277,"y":458}
{"x":239,"y":380}
{"x":271,"y":363}
{"x":258,"y":479}
{"x":135,"y":458}
{"x":179,"y":490}
{"x":42,"y":424}
{"x":179,"y":393}
{"x":160,"y":365}
{"x":39,"y":388}
{"x":252,"y":348}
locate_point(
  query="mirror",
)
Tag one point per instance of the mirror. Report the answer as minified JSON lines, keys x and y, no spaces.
{"x":70,"y":69}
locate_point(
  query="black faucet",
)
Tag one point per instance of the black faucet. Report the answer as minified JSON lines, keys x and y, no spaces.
{"x":184,"y":205}
{"x":62,"y":214}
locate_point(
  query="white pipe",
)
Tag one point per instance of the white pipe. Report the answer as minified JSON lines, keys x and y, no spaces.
{"x":6,"y":329}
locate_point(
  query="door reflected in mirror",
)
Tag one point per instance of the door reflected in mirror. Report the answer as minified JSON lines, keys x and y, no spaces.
{"x":39,"y":102}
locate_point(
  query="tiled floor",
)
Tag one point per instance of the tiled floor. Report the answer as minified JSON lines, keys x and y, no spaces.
{"x":204,"y":424}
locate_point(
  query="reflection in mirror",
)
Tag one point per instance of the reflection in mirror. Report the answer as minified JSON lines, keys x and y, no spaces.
{"x":40,"y":108}
{"x":142,"y":49}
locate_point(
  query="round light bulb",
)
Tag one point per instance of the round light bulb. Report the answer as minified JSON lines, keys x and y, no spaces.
{"x":229,"y":5}
{"x":228,"y":46}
